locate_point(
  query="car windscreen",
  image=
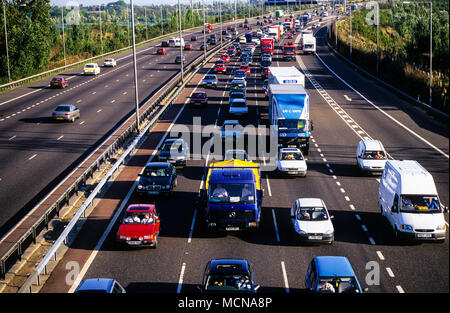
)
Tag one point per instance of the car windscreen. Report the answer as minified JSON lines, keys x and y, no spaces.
{"x":420,"y":204}
{"x":308,"y":46}
{"x":236,"y":193}
{"x":210,"y":77}
{"x":374,"y":155}
{"x":156,"y":172}
{"x":337,"y":285}
{"x":57,"y":79}
{"x":291,"y":156}
{"x":89,"y":66}
{"x":228,"y":283}
{"x":312,"y":214}
{"x":238,"y":104}
{"x":237,"y":95}
{"x":172,"y":146}
{"x":199,"y":95}
{"x":137,"y":218}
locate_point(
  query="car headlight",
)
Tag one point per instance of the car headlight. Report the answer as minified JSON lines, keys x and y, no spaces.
{"x":406,"y":227}
{"x":301,"y":232}
{"x":328,"y":232}
{"x":441,"y":227}
{"x":167,"y":186}
{"x":140,"y":186}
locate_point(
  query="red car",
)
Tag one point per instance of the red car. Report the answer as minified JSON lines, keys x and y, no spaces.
{"x":188,"y":46}
{"x":229,"y":27}
{"x":225,"y":57}
{"x":59,"y":82}
{"x":139,"y":227}
{"x":290,"y":36}
{"x":265,"y":73}
{"x":161,"y":51}
{"x":245,"y":68}
{"x":220,"y":68}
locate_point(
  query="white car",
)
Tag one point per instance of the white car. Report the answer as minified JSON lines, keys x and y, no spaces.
{"x":311,"y":221}
{"x":371,"y":156}
{"x":231,"y":130}
{"x":110,"y":63}
{"x":91,"y":69}
{"x":242,"y":39}
{"x":236,"y":155}
{"x":291,"y":161}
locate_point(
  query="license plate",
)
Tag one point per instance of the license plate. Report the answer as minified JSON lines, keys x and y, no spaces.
{"x":134,"y":243}
{"x":424,"y":235}
{"x":315,"y":237}
{"x":292,"y":172}
{"x":231,"y":228}
{"x":152,"y":192}
{"x":59,"y":118}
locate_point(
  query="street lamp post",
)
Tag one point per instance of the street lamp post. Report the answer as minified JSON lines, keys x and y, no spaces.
{"x":431,"y":54}
{"x":136,"y":94}
{"x":351,"y":33}
{"x":63,"y":37}
{"x":6,"y":42}
{"x":204,"y":31}
{"x":181,"y":46}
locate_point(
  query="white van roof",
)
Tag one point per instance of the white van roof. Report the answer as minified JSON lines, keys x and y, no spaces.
{"x":373,"y":145}
{"x":414,"y":178}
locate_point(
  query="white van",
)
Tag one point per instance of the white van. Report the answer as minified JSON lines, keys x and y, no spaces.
{"x":176,"y":42}
{"x":371,"y":156}
{"x":408,"y":198}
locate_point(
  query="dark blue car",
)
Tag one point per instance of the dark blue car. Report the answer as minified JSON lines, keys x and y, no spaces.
{"x":331,"y":274}
{"x":229,"y":275}
{"x":100,"y":285}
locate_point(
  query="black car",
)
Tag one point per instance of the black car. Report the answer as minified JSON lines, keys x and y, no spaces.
{"x":229,"y":275}
{"x":165,"y":43}
{"x":174,"y":151}
{"x":158,"y":178}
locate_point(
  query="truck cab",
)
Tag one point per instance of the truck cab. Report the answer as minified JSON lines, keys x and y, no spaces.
{"x":232,"y":195}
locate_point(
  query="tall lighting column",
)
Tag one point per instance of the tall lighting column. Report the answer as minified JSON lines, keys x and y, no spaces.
{"x":136,"y":94}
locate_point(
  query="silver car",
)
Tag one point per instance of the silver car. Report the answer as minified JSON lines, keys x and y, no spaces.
{"x":66,"y":112}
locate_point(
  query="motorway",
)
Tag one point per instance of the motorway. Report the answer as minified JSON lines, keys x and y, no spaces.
{"x":344,"y":111}
{"x":37,"y":153}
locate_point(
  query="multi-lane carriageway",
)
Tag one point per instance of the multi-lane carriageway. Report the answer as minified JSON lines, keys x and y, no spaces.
{"x":344,"y":110}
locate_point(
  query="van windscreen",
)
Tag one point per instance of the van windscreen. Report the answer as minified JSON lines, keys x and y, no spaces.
{"x":420,"y":204}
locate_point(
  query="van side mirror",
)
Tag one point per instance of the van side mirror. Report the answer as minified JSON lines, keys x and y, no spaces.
{"x":312,"y":125}
{"x":445,"y":209}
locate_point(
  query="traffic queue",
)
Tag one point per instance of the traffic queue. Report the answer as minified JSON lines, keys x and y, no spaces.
{"x":231,"y":193}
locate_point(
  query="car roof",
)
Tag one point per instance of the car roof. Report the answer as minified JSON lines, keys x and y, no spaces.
{"x":96,"y":284}
{"x":310,"y":202}
{"x":244,"y":268}
{"x":140,"y":207}
{"x":373,"y":145}
{"x":157,"y":164}
{"x":231,"y":122}
{"x":334,"y":266}
{"x":64,"y":105}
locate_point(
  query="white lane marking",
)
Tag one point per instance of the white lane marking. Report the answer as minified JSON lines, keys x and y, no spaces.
{"x":268,"y":185}
{"x":12,"y":137}
{"x":338,"y":183}
{"x":352,"y":207}
{"x":400,"y":289}
{"x":372,"y":241}
{"x":82,"y":122}
{"x":342,"y":190}
{"x":386,"y":114}
{"x":286,"y":282}
{"x":112,"y":101}
{"x":347,"y":98}
{"x":347,"y":198}
{"x":60,"y":137}
{"x":192,"y":226}
{"x":364,"y":227}
{"x":32,"y":157}
{"x":94,"y":92}
{"x":78,"y":101}
{"x":380,"y":255}
{"x":334,"y":177}
{"x":275,"y":224}
{"x":180,"y":281}
{"x":98,"y":111}
{"x":358,"y":217}
{"x":390,"y":272}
